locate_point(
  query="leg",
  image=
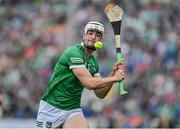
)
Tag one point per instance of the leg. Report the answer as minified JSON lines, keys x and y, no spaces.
{"x":77,"y":121}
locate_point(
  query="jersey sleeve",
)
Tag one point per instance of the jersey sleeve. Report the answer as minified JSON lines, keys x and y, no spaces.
{"x":74,"y":58}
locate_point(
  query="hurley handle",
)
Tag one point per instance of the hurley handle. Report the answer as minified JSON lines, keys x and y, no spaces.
{"x":119,"y":59}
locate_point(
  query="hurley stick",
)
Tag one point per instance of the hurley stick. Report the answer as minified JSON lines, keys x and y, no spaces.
{"x":114,"y":14}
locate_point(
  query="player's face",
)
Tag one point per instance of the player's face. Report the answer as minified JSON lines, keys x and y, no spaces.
{"x":92,"y":36}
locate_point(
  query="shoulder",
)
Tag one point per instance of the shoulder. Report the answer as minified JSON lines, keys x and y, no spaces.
{"x":75,"y":50}
{"x":73,"y":55}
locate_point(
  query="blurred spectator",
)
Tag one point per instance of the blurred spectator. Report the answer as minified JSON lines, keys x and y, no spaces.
{"x":33,"y":34}
{"x":1,"y":105}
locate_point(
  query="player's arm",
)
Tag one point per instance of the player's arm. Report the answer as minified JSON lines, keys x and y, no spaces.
{"x":75,"y":60}
{"x":93,"y":83}
{"x":102,"y":92}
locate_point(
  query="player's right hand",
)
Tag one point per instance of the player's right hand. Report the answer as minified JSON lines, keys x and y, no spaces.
{"x":120,"y":72}
{"x":117,"y":66}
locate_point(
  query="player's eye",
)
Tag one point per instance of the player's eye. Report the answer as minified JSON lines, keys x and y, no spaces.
{"x":98,"y":34}
{"x":90,"y":32}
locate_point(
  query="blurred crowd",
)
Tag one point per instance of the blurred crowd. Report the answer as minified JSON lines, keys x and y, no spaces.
{"x":34,"y":34}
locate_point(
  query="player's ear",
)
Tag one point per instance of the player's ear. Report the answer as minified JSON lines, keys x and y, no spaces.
{"x":101,"y":39}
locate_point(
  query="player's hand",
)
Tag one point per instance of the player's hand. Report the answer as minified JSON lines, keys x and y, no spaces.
{"x":116,"y":66}
{"x":120,"y":74}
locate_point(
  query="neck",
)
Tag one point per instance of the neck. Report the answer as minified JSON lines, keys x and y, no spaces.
{"x":88,"y":52}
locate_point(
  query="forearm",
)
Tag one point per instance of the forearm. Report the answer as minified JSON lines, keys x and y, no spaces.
{"x":102,"y":92}
{"x":99,"y":83}
{"x":94,"y":83}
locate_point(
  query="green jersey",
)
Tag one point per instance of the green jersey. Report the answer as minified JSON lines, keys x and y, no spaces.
{"x":64,"y":90}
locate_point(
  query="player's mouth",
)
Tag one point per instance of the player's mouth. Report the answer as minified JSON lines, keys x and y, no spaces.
{"x":90,"y":42}
{"x":90,"y":45}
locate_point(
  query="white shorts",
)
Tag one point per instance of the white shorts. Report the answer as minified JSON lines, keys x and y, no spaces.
{"x":51,"y":117}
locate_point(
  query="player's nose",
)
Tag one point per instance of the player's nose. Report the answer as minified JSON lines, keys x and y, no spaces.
{"x":94,"y":35}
